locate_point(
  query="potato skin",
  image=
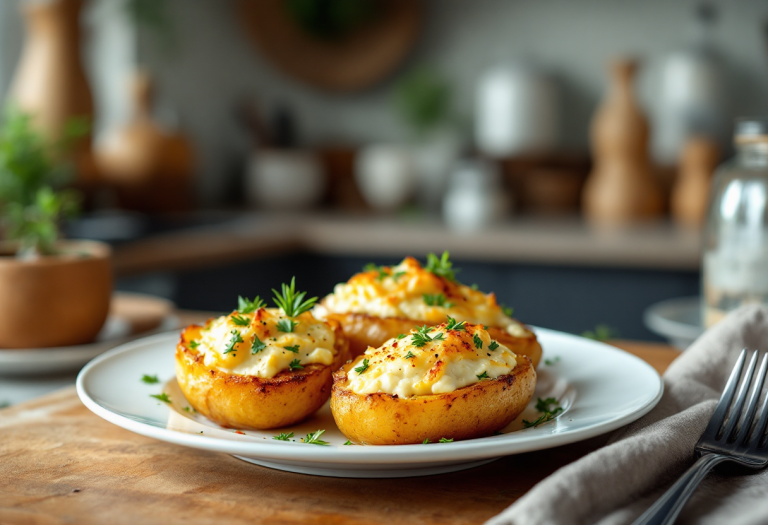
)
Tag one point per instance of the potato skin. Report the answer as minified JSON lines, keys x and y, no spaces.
{"x":364,"y":330}
{"x":473,"y":411}
{"x":249,"y":402}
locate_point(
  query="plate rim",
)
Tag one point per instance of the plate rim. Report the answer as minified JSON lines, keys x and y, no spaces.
{"x":460,"y":451}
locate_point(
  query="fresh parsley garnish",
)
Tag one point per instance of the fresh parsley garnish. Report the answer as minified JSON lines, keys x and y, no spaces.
{"x":400,"y":336}
{"x":445,"y":440}
{"x":436,"y":300}
{"x":507,"y":310}
{"x":294,"y":349}
{"x":314,"y":438}
{"x":549,"y":408}
{"x":347,"y":442}
{"x":484,"y":375}
{"x":296,"y":364}
{"x":441,"y":267}
{"x":409,"y":355}
{"x":382,"y":270}
{"x":478,"y":342}
{"x":194,"y":344}
{"x":426,"y":441}
{"x":602,"y":332}
{"x":286,"y":325}
{"x":240,"y":321}
{"x":236,"y":338}
{"x":162,"y":397}
{"x":291,"y":302}
{"x":422,"y":337}
{"x":493,"y":346}
{"x":397,"y":275}
{"x":283,"y":436}
{"x":453,"y":325}
{"x":257,"y":345}
{"x":552,"y":361}
{"x":246,"y":306}
{"x":150,"y":380}
{"x":362,"y":368}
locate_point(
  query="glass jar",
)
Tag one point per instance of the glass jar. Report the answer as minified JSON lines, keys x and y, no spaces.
{"x":735,"y":261}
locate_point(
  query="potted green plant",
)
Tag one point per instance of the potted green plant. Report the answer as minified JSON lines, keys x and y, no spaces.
{"x":52,"y":292}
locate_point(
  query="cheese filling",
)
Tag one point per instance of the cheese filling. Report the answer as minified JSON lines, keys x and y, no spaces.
{"x":411,"y":292}
{"x":434,"y":360}
{"x":258,"y":344}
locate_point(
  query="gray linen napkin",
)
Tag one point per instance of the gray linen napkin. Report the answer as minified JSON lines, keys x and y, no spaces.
{"x":616,"y":483}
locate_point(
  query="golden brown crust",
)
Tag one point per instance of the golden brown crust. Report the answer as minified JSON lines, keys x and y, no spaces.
{"x":473,"y":411}
{"x":248,"y":402}
{"x":362,"y":331}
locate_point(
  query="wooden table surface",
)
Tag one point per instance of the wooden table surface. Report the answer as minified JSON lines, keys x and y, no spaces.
{"x":59,"y":463}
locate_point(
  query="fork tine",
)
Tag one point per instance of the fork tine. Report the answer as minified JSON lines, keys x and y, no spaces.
{"x":735,"y":414}
{"x":749,"y":414}
{"x":757,"y":433}
{"x":718,"y":416}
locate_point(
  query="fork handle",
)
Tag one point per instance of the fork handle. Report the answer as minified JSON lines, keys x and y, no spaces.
{"x":668,"y":506}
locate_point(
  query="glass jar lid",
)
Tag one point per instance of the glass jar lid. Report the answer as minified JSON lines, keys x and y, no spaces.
{"x":751,"y":130}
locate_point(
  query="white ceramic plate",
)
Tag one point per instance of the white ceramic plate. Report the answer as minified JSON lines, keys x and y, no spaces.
{"x":679,"y":320}
{"x":600,"y":387}
{"x":38,"y":361}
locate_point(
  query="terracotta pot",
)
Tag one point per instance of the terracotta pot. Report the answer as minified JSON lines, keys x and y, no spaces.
{"x":59,"y":300}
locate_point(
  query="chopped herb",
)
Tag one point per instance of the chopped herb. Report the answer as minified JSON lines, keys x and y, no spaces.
{"x":194,"y":344}
{"x":257,"y":345}
{"x":187,"y":409}
{"x":478,"y":342}
{"x":294,"y":349}
{"x":484,"y":375}
{"x":162,"y":397}
{"x":602,"y":332}
{"x":422,"y":337}
{"x":409,"y":355}
{"x":286,"y":325}
{"x":507,"y":310}
{"x":296,"y":365}
{"x":347,"y":442}
{"x":426,"y":441}
{"x":397,"y":275}
{"x":245,"y":306}
{"x":292,"y":303}
{"x":370,"y":267}
{"x":150,"y":380}
{"x":441,"y":267}
{"x":474,"y":286}
{"x":236,"y":338}
{"x":240,"y":321}
{"x":314,"y":438}
{"x":549,"y":408}
{"x":493,"y":346}
{"x":362,"y":368}
{"x":283,"y":436}
{"x":436,"y":300}
{"x":453,"y":325}
{"x":400,"y":336}
{"x":445,"y":440}
{"x":552,"y":361}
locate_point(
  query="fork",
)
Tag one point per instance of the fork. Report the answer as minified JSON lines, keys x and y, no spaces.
{"x":729,"y":436}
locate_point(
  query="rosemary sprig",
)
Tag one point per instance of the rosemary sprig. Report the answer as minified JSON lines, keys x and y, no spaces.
{"x":291,"y":302}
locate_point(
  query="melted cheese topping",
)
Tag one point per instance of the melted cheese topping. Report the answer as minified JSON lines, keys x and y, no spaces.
{"x":405,"y":290}
{"x":450,"y":360}
{"x":259,"y":348}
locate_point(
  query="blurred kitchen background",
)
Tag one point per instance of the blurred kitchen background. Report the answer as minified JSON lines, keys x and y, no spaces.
{"x":560,"y":150}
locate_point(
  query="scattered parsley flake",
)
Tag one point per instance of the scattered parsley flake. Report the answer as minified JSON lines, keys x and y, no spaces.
{"x":602,"y":332}
{"x":245,"y":306}
{"x":549,"y":408}
{"x":426,"y":441}
{"x":482,"y":376}
{"x":294,"y":349}
{"x":150,"y":380}
{"x":493,"y":346}
{"x":296,"y":364}
{"x":478,"y":342}
{"x":162,"y":397}
{"x":441,"y":267}
{"x":400,"y":336}
{"x":194,"y":344}
{"x":240,"y":321}
{"x":436,"y":300}
{"x":283,"y":436}
{"x":257,"y":345}
{"x":382,"y":270}
{"x":286,"y":325}
{"x":347,"y":442}
{"x":314,"y":438}
{"x":362,"y":368}
{"x":453,"y":325}
{"x":445,"y":440}
{"x":552,"y":361}
{"x":422,"y":337}
{"x":507,"y":310}
{"x":409,"y":355}
{"x":397,"y":275}
{"x":236,"y":338}
{"x":291,"y":302}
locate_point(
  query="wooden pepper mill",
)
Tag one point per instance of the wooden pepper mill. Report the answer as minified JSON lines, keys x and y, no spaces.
{"x":621,"y":188}
{"x":690,"y":193}
{"x":149,"y":166}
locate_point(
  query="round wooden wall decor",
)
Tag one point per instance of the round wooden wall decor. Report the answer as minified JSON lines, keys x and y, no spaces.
{"x":303,"y":43}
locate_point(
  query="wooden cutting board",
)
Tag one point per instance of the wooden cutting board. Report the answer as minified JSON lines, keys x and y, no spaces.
{"x":59,"y":463}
